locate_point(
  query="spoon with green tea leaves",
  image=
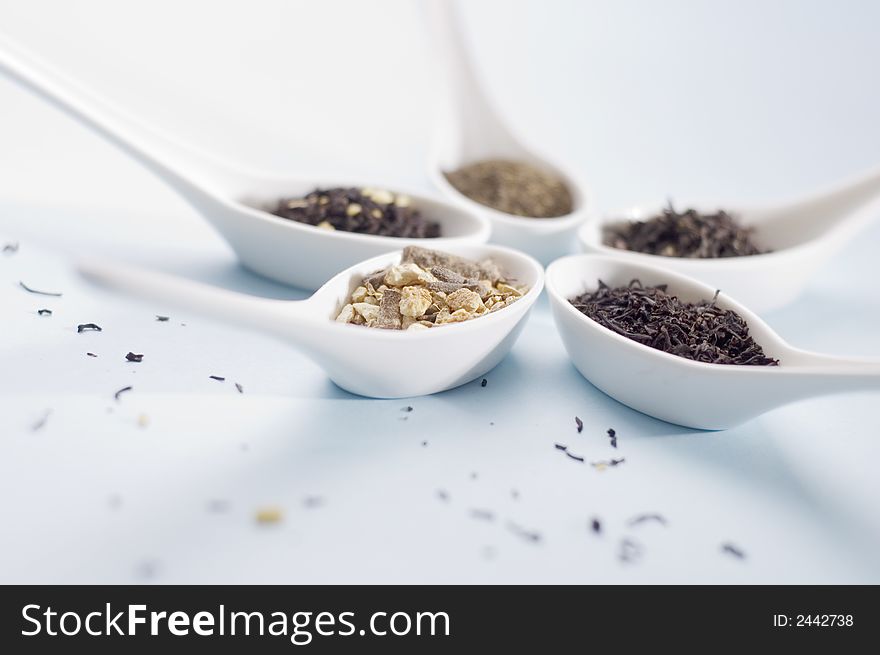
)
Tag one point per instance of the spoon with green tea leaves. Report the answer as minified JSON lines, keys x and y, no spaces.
{"x":676,"y":349}
{"x":293,"y":229}
{"x":370,"y":331}
{"x":535,"y":203}
{"x":763,"y":256}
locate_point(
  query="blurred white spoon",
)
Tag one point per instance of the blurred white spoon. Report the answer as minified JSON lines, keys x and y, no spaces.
{"x":679,"y":390}
{"x":365,"y":361}
{"x":231,"y":199}
{"x":802,"y":234}
{"x":468,"y":129}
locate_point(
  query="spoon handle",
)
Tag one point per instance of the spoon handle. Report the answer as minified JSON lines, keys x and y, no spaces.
{"x":466,"y":114}
{"x":833,"y":374}
{"x":287,"y":319}
{"x":187,"y":170}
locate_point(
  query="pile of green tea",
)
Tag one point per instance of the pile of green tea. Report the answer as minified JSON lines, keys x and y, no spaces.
{"x":365,"y":211}
{"x":699,"y":331}
{"x":428,"y":289}
{"x":684,"y":234}
{"x":513,"y":187}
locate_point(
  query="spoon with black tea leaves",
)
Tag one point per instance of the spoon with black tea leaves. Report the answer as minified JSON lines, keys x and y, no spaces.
{"x":679,"y":390}
{"x":365,"y":361}
{"x":231,"y":199}
{"x":801,"y":234}
{"x":469,"y":129}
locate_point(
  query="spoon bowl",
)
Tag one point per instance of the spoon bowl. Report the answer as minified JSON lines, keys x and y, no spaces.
{"x":679,"y":390}
{"x":801,"y":235}
{"x":469,"y":129}
{"x":232,"y":199}
{"x":365,"y":361}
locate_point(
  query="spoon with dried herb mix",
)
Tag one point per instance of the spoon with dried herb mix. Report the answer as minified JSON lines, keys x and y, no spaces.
{"x":535,"y":203}
{"x":292,"y":229}
{"x":672,"y":347}
{"x":763,"y":256}
{"x":408,"y":323}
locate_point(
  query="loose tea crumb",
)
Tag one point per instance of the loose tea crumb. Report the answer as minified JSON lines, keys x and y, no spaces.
{"x":612,"y":436}
{"x":577,"y":458}
{"x":579,"y":423}
{"x":121,"y":391}
{"x":268,"y":515}
{"x":596,"y":526}
{"x":429,"y":289}
{"x":39,"y":293}
{"x":560,"y":446}
{"x":239,"y":388}
{"x":132,"y":357}
{"x":730,"y":549}
{"x":91,"y":354}
{"x":442,"y":495}
{"x":44,"y":312}
{"x":365,"y":211}
{"x":88,"y":327}
{"x":218,"y":378}
{"x":408,"y":408}
{"x":514,"y":188}
{"x":699,"y":331}
{"x":10,"y":248}
{"x":312,"y":502}
{"x":686,"y":234}
{"x":162,"y":319}
{"x":645,"y":518}
{"x":484,"y":382}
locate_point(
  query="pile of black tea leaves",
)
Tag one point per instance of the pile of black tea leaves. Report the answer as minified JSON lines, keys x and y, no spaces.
{"x":365,"y":211}
{"x":689,"y":234}
{"x":700,"y":331}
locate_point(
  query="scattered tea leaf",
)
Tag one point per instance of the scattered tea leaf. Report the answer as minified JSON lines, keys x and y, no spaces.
{"x":612,"y":435}
{"x":577,"y":458}
{"x":239,"y":388}
{"x":579,"y":423}
{"x":596,"y":526}
{"x":733,"y":550}
{"x":41,"y":423}
{"x":10,"y":248}
{"x":162,"y":319}
{"x":532,"y":536}
{"x":88,"y":327}
{"x":218,"y":378}
{"x":645,"y":518}
{"x":44,"y":312}
{"x":484,"y":382}
{"x":132,"y":357}
{"x":629,"y":551}
{"x":482,"y":514}
{"x":121,"y":391}
{"x":40,"y":293}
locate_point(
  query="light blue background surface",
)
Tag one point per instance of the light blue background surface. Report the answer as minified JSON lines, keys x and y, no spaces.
{"x":746,"y":100}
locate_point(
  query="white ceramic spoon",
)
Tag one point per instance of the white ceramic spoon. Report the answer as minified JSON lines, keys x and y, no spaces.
{"x":468,"y":129}
{"x":366,"y":361}
{"x":803,"y":234}
{"x":230,"y":198}
{"x":679,"y":390}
